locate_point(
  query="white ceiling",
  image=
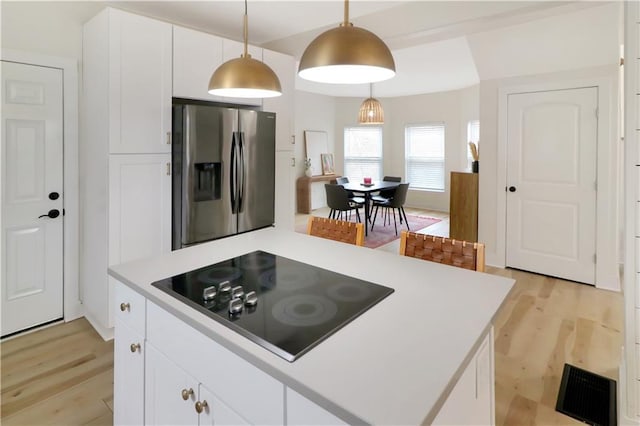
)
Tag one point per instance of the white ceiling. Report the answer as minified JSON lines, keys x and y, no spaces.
{"x":428,"y":38}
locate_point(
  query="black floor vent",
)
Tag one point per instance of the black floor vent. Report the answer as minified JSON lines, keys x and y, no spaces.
{"x":587,"y":397}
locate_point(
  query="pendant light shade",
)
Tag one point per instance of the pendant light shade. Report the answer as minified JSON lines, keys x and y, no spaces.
{"x":347,"y":55}
{"x":245,"y":77}
{"x":371,"y":111}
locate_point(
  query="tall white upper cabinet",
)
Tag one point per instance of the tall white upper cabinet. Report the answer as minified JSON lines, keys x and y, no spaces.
{"x":285,"y":68}
{"x":196,"y":55}
{"x":139,"y":83}
{"x":125,"y":150}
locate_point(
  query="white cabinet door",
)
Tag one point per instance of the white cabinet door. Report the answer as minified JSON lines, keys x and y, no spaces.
{"x":170,"y":393}
{"x":173,"y":397}
{"x":139,"y":206}
{"x":231,"y":50}
{"x":471,"y":402}
{"x":285,"y":68}
{"x":128,"y":376}
{"x":216,"y":412}
{"x":284,"y":195}
{"x":196,"y":55}
{"x":139,"y":84}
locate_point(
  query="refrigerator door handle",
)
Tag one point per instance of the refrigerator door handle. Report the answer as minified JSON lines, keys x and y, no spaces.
{"x":241,"y":172}
{"x":234,"y":173}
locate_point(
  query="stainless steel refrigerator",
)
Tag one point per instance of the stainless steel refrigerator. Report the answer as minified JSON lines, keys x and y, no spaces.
{"x":223,"y":172}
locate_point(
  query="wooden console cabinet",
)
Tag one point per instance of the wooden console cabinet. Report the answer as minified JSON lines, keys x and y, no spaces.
{"x":303,"y":190}
{"x":463,"y":206}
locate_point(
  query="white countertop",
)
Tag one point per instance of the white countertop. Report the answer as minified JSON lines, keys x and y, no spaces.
{"x":394,"y":364}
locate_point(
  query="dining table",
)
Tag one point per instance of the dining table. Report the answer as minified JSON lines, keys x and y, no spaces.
{"x":367,"y":190}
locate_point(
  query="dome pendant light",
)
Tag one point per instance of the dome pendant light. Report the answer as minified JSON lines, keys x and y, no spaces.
{"x":245,"y":77}
{"x":371,"y":110}
{"x":347,"y":55}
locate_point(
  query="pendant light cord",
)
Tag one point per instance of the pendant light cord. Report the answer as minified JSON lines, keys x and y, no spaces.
{"x":246,"y":31}
{"x":346,"y":13}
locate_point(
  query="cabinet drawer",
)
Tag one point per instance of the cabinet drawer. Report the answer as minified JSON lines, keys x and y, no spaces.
{"x":247,"y":390}
{"x":130,"y":308}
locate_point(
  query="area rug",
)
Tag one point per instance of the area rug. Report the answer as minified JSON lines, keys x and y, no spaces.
{"x":383,"y":234}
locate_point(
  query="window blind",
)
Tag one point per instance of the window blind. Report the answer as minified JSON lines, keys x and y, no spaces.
{"x":424,"y":156}
{"x":363,"y":153}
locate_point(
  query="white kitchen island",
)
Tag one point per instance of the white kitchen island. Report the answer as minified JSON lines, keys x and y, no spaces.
{"x":422,"y":355}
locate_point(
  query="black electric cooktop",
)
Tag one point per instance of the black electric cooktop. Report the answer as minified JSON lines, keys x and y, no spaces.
{"x":286,"y":306}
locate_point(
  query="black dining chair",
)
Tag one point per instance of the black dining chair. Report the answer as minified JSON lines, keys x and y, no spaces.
{"x":395,"y":203}
{"x":352,"y":197}
{"x":386,"y":194}
{"x":338,"y":202}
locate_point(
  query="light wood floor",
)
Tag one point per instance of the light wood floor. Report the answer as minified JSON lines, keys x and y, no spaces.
{"x":64,"y":374}
{"x":61,"y":375}
{"x":545,"y":323}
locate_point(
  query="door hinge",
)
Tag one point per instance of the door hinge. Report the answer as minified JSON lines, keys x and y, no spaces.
{"x":168,"y":169}
{"x":595,"y":185}
{"x":168,"y":138}
{"x":293,"y":139}
{"x":597,"y":112}
{"x":595,"y":258}
{"x":293,"y":161}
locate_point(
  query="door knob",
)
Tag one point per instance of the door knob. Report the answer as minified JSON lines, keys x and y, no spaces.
{"x":54,"y":195}
{"x":201,"y":406}
{"x":53,"y":213}
{"x":512,"y":189}
{"x":186,"y":393}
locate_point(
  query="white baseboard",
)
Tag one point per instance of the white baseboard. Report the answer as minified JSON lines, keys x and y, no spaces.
{"x":623,"y":418}
{"x":105,"y":333}
{"x":73,"y":312}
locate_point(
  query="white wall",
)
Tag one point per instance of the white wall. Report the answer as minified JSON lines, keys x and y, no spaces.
{"x":454,"y":109}
{"x":313,"y":112}
{"x":582,"y":39}
{"x":51,"y":27}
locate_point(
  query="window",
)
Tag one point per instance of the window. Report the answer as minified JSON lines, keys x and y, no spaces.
{"x":473,"y":135}
{"x":363,"y":153}
{"x":424,"y":156}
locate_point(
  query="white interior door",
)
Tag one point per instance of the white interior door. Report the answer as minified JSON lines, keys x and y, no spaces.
{"x":551,"y":181}
{"x":32,"y":153}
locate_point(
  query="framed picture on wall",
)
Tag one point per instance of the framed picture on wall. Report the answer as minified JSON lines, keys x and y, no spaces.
{"x":327,"y":164}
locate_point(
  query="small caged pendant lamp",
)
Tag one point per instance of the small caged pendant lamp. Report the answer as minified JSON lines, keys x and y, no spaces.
{"x":245,"y":77}
{"x":371,"y":110}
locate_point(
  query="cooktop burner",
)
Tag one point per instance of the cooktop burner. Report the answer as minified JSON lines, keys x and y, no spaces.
{"x":284,"y":305}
